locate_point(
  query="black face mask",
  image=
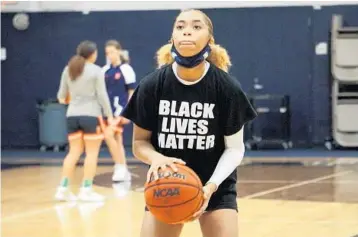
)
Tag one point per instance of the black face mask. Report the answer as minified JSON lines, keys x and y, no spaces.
{"x":193,"y":61}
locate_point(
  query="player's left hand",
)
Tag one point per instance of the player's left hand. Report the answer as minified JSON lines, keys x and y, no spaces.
{"x":208,"y":190}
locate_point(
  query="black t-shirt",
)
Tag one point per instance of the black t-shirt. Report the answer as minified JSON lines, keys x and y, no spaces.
{"x":190,"y":121}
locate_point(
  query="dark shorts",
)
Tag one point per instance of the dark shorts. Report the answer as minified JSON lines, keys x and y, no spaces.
{"x":222,"y":199}
{"x":83,"y":126}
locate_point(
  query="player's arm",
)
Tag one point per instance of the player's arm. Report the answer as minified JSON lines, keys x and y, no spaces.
{"x":130,"y":79}
{"x":142,"y":147}
{"x":130,"y":93}
{"x":102,"y":95}
{"x":230,"y":159}
{"x":237,"y":110}
{"x":141,"y":110}
{"x":63,"y":90}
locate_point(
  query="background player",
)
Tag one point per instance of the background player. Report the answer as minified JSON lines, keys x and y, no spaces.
{"x":120,"y":82}
{"x":194,"y":110}
{"x":83,"y":81}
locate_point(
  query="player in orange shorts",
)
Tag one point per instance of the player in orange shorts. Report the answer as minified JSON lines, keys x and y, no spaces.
{"x":82,"y":86}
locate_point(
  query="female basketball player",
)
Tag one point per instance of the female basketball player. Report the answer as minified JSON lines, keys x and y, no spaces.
{"x":120,"y":81}
{"x":192,"y":111}
{"x":84,"y":82}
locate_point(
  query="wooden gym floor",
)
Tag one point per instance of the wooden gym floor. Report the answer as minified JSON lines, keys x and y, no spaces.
{"x":317,"y":199}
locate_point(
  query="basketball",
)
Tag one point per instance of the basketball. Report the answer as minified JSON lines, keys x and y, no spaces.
{"x":175,"y":198}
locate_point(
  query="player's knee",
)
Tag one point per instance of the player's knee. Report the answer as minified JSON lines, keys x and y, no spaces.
{"x":220,"y":223}
{"x":91,"y":157}
{"x":151,"y":227}
{"x":72,"y":158}
{"x":75,"y":152}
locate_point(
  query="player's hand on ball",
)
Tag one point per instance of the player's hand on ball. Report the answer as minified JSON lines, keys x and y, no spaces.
{"x":162,"y":162}
{"x":208,"y":190}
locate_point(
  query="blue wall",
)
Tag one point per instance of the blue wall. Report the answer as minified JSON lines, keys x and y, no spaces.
{"x":274,"y":44}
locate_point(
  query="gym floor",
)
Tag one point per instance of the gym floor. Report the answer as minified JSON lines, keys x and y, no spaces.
{"x":278,"y":197}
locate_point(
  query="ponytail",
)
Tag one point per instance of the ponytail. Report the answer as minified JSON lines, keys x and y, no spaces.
{"x":218,"y":56}
{"x":164,"y":56}
{"x":76,"y":66}
{"x":124,"y":56}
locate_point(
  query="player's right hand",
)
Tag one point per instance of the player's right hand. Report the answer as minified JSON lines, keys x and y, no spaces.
{"x":162,"y":162}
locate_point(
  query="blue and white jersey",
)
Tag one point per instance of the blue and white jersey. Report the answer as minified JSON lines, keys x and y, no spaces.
{"x":119,"y":79}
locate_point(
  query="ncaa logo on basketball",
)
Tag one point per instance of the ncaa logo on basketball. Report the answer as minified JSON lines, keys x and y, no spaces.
{"x":166,"y":192}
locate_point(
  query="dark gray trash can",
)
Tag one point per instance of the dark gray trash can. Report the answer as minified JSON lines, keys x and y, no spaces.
{"x":52,"y":124}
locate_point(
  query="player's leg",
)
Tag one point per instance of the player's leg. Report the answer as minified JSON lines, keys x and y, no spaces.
{"x":92,"y":139}
{"x":115,"y":151}
{"x":109,"y":136}
{"x":76,"y":148}
{"x":220,"y":223}
{"x":221,"y":218}
{"x":151,"y":227}
{"x":121,"y":172}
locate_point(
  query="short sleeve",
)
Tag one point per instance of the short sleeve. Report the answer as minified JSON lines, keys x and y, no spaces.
{"x":237,"y":109}
{"x":129,"y":76}
{"x":141,"y":108}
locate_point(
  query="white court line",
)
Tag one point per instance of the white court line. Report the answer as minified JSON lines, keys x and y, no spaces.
{"x":134,"y":175}
{"x":28,"y":213}
{"x":139,"y":189}
{"x":258,"y":181}
{"x":53,"y":208}
{"x":253,"y":181}
{"x":296,"y":185}
{"x":285,"y":221}
{"x":44,"y":210}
